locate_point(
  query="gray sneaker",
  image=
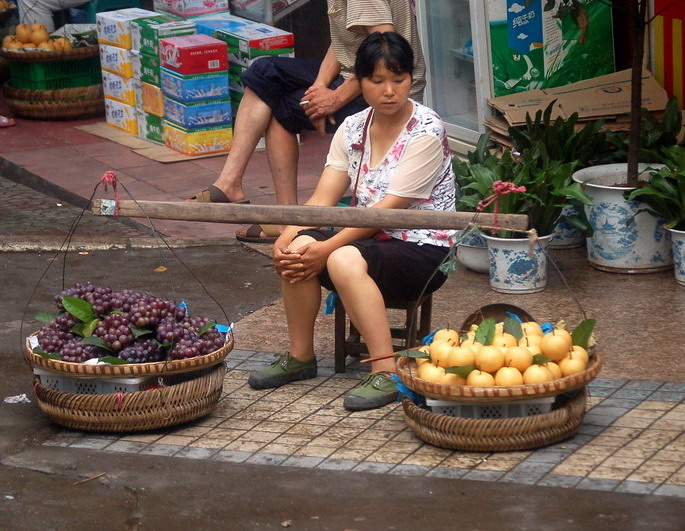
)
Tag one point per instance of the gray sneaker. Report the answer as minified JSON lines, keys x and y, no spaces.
{"x":283,"y":370}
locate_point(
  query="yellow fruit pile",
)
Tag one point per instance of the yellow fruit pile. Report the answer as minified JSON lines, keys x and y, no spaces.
{"x":33,"y":37}
{"x":506,"y":361}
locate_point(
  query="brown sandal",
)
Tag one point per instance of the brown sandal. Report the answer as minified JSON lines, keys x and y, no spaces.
{"x":253,"y":234}
{"x":215,"y":195}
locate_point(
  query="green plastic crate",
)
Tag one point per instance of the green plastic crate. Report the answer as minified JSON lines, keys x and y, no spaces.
{"x":56,"y":74}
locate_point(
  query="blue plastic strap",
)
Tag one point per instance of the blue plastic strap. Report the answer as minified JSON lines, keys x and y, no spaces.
{"x":403,"y":390}
{"x":330,"y":303}
{"x":547,"y":327}
{"x":510,"y":314}
{"x":427,"y":340}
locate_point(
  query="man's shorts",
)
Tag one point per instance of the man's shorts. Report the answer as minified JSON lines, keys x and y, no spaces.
{"x":400,"y":269}
{"x":281,"y":83}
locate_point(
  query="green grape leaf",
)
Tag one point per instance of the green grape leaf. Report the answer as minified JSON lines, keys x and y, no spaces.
{"x":50,"y":356}
{"x":486,"y":332}
{"x":113,"y":360}
{"x":462,"y":370}
{"x":44,"y":317}
{"x":581,"y":333}
{"x":412,"y":354}
{"x":205,"y":328}
{"x":90,"y":328}
{"x":137,"y":332}
{"x":78,"y":329}
{"x":97,"y":341}
{"x":79,"y":308}
{"x":540,"y":359}
{"x":513,"y":326}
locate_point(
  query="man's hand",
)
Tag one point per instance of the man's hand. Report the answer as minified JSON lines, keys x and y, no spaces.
{"x":322,"y":102}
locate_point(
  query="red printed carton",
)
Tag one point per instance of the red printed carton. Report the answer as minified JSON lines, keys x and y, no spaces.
{"x":193,"y":54}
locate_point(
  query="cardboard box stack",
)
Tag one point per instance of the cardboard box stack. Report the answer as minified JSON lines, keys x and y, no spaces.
{"x":191,"y":8}
{"x":194,"y":80}
{"x":147,"y":33}
{"x":116,"y":61}
{"x":604,"y":97}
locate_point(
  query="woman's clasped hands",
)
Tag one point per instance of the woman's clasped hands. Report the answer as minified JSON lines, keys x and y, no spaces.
{"x":301,"y":264}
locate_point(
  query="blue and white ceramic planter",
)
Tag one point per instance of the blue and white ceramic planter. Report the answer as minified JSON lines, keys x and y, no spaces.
{"x":565,"y":235}
{"x":513,"y":269}
{"x":678,"y":242}
{"x":472,"y":253}
{"x":644,"y":246}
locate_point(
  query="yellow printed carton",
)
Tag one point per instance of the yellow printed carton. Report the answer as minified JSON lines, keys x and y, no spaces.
{"x":118,"y":88}
{"x":114,"y":27}
{"x":116,"y":60}
{"x":153,"y":99}
{"x":121,"y":116}
{"x":194,"y":142}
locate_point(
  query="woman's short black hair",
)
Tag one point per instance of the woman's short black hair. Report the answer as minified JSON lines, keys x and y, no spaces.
{"x":389,"y":48}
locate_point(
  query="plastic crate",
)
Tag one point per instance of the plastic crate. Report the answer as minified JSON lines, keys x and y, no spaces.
{"x":93,"y":386}
{"x":56,"y":74}
{"x":497,"y":410}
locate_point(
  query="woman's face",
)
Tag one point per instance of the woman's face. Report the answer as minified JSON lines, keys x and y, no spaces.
{"x":387,"y":92}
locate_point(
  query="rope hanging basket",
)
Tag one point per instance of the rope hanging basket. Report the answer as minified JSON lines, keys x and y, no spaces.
{"x":497,"y":435}
{"x":138,"y":411}
{"x":158,"y":368}
{"x":57,"y":104}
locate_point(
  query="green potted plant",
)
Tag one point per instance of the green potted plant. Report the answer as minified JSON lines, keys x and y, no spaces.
{"x":663,"y":196}
{"x":530,"y":184}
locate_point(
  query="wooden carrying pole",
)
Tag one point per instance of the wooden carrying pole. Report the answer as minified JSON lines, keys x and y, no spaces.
{"x":308,"y":216}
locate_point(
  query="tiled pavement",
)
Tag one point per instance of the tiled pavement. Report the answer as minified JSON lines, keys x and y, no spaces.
{"x":632,"y":438}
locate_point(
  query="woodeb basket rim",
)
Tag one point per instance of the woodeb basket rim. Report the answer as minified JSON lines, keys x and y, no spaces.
{"x":406,"y":370}
{"x":136,"y":411}
{"x":21,"y":56}
{"x":158,"y":368}
{"x":496,"y":435}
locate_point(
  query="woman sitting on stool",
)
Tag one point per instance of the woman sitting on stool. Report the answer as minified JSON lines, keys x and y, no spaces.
{"x":392,"y":155}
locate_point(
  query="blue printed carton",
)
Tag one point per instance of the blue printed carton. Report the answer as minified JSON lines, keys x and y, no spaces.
{"x":194,"y":87}
{"x":198,"y":114}
{"x":210,"y":24}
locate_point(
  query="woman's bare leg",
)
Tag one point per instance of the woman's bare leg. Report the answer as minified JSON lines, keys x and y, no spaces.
{"x":363,"y":302}
{"x":283,"y":153}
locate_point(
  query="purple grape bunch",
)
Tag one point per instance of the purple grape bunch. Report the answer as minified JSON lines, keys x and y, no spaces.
{"x":99,"y":297}
{"x":52,"y":336}
{"x":115,"y":330}
{"x":192,"y":343}
{"x":76,"y":351}
{"x":143,"y":351}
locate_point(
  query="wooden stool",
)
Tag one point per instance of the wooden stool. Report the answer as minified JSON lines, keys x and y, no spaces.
{"x":352,"y":345}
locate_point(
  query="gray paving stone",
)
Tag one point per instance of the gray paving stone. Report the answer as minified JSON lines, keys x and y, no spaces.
{"x":483,"y":475}
{"x":670,"y":490}
{"x":192,"y":452}
{"x":589,"y":429}
{"x":602,"y":391}
{"x":252,"y":365}
{"x":240,"y":354}
{"x":614,"y":383}
{"x":621,"y":402}
{"x":637,"y":487}
{"x":607,"y":411}
{"x":642,"y":384}
{"x":375,"y":468}
{"x":548,"y":456}
{"x":337,"y":464}
{"x":232,"y":364}
{"x":161,"y":449}
{"x":127,"y":447}
{"x":635,"y":394}
{"x":410,"y":470}
{"x":553,"y":480}
{"x":63,"y":443}
{"x":667,"y":396}
{"x":91,"y":443}
{"x":598,"y":484}
{"x":528,"y":473}
{"x":267,"y":459}
{"x":678,"y":387}
{"x":302,"y":461}
{"x":232,"y":456}
{"x":451,"y":473}
{"x":599,"y":420}
{"x":325,"y":371}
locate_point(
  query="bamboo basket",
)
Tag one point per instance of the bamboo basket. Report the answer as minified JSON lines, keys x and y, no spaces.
{"x":138,"y":411}
{"x":497,"y":435}
{"x":158,"y":368}
{"x":406,"y":370}
{"x":29,"y":56}
{"x":58,"y":104}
